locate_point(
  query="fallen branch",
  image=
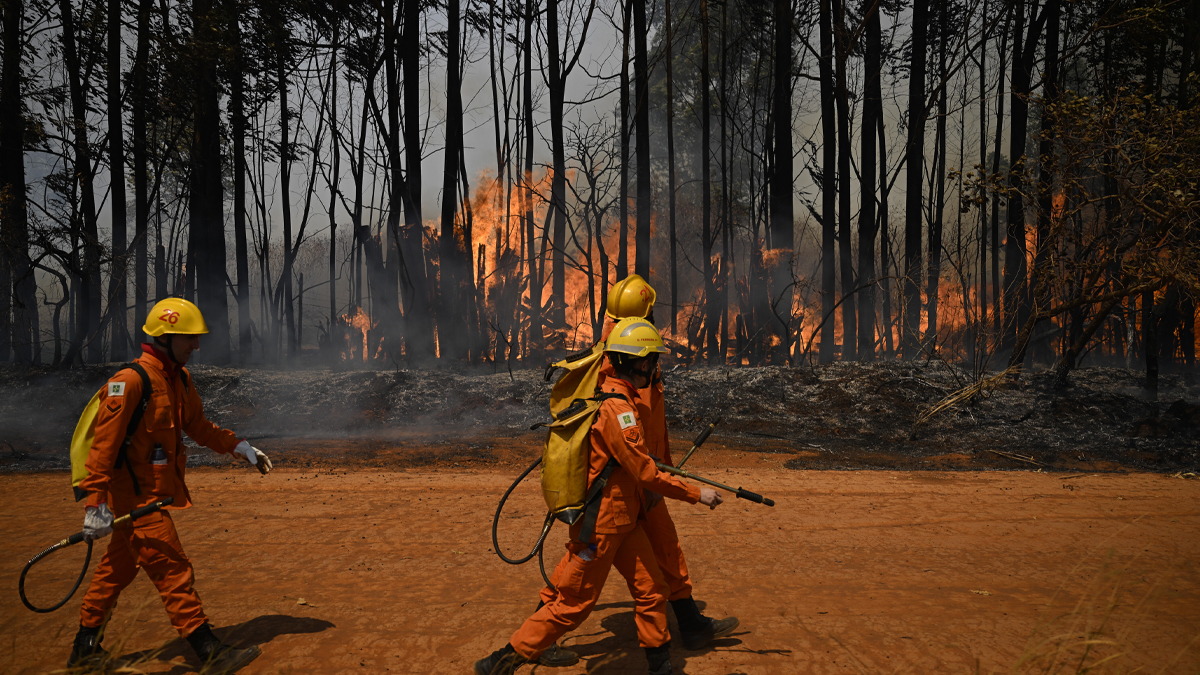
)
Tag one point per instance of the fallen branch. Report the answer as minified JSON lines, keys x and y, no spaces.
{"x":1017,"y":457}
{"x":965,"y":394}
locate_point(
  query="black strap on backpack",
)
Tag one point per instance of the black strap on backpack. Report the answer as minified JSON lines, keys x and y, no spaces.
{"x":591,"y":503}
{"x":134,"y":420}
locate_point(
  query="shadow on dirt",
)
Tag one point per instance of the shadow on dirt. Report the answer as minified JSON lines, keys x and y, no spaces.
{"x":619,"y":651}
{"x":257,"y":631}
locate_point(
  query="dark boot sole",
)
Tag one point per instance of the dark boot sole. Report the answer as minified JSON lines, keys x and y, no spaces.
{"x":231,"y":664}
{"x":701,"y":640}
{"x":557,"y":664}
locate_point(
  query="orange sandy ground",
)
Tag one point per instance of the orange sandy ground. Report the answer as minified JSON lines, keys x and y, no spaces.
{"x":852,"y":572}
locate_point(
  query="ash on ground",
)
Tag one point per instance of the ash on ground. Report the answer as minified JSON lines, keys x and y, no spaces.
{"x":837,"y":416}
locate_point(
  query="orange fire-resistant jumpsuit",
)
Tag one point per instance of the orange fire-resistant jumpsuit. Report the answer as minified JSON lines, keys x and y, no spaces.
{"x":656,"y":520}
{"x":619,"y":539}
{"x":151,"y":543}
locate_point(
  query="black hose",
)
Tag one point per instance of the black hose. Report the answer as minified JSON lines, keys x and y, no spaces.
{"x":537,"y":547}
{"x":34,"y":560}
{"x":75,"y":539}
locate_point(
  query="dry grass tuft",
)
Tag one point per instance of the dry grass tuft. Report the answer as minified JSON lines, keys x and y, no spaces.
{"x":1105,"y":630}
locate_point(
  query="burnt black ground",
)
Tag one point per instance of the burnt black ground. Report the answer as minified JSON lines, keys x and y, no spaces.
{"x":838,"y":416}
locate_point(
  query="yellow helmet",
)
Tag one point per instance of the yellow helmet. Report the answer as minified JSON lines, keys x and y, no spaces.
{"x":175,"y":316}
{"x":634,"y":337}
{"x":630,"y":297}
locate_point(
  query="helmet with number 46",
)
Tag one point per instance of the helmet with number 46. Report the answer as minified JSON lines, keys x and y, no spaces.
{"x":175,"y":316}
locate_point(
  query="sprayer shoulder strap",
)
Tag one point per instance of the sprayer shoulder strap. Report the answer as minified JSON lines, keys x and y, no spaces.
{"x":134,"y":420}
{"x":591,"y":508}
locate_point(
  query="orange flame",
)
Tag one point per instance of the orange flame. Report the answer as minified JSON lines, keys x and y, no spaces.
{"x":362,"y":322}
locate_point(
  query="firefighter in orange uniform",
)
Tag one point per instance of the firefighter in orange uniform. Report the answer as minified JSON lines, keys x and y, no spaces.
{"x":633,"y":297}
{"x":153,"y":468}
{"x":616,"y":538}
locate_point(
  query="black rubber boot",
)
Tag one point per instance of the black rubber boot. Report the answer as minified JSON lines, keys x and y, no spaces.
{"x":659,"y":659}
{"x":87,"y":652}
{"x":216,"y":658}
{"x":698,"y":630}
{"x":503,"y":661}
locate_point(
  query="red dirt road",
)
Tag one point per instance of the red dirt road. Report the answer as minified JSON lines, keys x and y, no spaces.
{"x":852,"y":572}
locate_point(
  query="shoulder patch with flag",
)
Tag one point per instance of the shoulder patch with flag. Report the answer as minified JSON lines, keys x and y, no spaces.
{"x":116,"y":388}
{"x":627,"y":420}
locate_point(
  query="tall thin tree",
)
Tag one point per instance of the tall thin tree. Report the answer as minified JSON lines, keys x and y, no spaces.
{"x":782,"y":218}
{"x":641,"y":122}
{"x":712,"y":308}
{"x":845,"y":242}
{"x":206,"y":197}
{"x":118,"y":271}
{"x":670,"y":47}
{"x":915,"y":161}
{"x":18,"y":308}
{"x":828,"y":185}
{"x":867,"y":226}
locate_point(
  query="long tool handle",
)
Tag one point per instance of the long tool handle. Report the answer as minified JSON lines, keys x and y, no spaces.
{"x":700,"y":440}
{"x":739,"y":492}
{"x":128,"y":517}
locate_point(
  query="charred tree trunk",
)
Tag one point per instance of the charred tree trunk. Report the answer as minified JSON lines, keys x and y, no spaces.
{"x":18,"y":308}
{"x":452,"y":326}
{"x":335,"y":139}
{"x":670,"y":169}
{"x":1150,"y":344}
{"x":915,"y":159}
{"x":623,"y":235}
{"x":398,"y":274}
{"x":981,"y":324}
{"x":85,"y":254}
{"x":867,"y":228}
{"x":845,"y":257}
{"x":885,"y":243}
{"x":1040,"y":277}
{"x":1187,"y":333}
{"x":641,"y":122}
{"x":828,"y":186}
{"x":285,"y":176}
{"x":384,"y":285}
{"x":534,"y":336}
{"x":711,"y":306}
{"x":558,"y":181}
{"x":141,"y":177}
{"x":1016,"y":291}
{"x":419,"y":334}
{"x":997,"y":290}
{"x":1066,"y":362}
{"x":118,"y":271}
{"x":237,"y":115}
{"x":782,"y":217}
{"x":725,"y":225}
{"x":207,"y":226}
{"x":936,"y":225}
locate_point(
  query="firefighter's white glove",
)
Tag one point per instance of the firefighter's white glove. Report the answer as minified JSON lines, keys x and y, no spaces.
{"x":254,"y":456}
{"x":97,"y":522}
{"x":710,"y":498}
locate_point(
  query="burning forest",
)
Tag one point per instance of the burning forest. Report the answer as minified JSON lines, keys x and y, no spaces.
{"x":1042,"y":216}
{"x":301,"y":283}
